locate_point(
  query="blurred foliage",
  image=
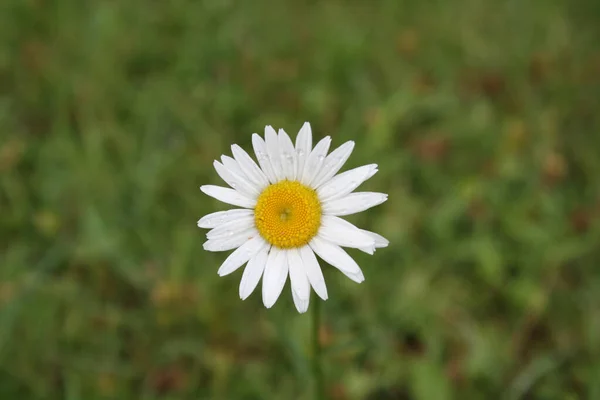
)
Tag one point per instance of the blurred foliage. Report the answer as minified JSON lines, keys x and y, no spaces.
{"x":482,"y":116}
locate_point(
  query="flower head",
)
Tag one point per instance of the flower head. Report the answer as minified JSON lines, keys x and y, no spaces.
{"x":291,"y":203}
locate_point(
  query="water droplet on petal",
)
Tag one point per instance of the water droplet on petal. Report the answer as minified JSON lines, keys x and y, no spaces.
{"x":300,"y":152}
{"x":321,"y":157}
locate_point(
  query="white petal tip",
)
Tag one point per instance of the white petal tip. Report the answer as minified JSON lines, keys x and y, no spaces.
{"x":358,"y":278}
{"x":322,"y":294}
{"x":381,"y":242}
{"x":301,"y":305}
{"x":369,"y":249}
{"x":223,"y":272}
{"x":256,"y":139}
{"x":371,"y":173}
{"x":268,"y":303}
{"x":207,"y":247}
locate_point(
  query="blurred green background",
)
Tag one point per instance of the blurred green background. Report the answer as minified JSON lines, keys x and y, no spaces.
{"x":483,"y":118}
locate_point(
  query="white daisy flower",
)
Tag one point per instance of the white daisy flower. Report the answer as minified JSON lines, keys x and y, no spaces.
{"x":291,"y":207}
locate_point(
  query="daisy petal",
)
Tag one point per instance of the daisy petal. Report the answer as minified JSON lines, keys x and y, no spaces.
{"x":229,"y":228}
{"x":276,"y":272}
{"x":220,"y":217}
{"x":287,"y":156}
{"x":343,"y":233}
{"x":241,"y":255}
{"x":272,"y":142}
{"x":303,"y":146}
{"x":298,"y":281}
{"x":247,"y":164}
{"x":260,"y":149}
{"x":298,"y":278}
{"x":345,"y":182}
{"x":337,"y":257}
{"x":380,"y":242}
{"x":229,"y":196}
{"x":253,"y":273}
{"x":236,"y":180}
{"x":370,"y":250}
{"x":301,"y":305}
{"x":315,"y":160}
{"x":232,"y":165}
{"x":313,"y":271}
{"x":230,"y":242}
{"x":353,"y":203}
{"x":333,"y":163}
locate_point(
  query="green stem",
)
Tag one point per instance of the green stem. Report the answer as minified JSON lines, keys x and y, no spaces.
{"x":316,"y":360}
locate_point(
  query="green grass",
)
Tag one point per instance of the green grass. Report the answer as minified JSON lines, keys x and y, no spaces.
{"x":482,"y":116}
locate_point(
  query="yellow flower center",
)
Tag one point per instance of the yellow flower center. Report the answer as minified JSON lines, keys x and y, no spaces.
{"x":288,"y":214}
